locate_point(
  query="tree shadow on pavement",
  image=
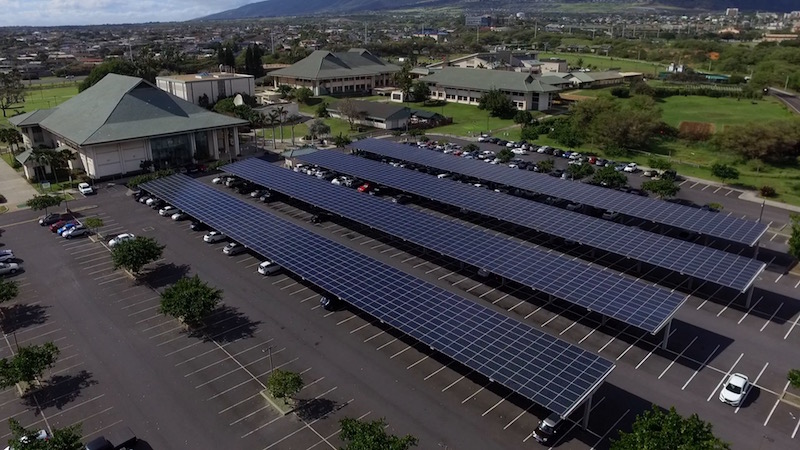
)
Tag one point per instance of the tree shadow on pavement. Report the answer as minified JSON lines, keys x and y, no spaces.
{"x":22,"y":315}
{"x":163,"y":275}
{"x":316,"y":408}
{"x":226,"y":324}
{"x":58,"y":391}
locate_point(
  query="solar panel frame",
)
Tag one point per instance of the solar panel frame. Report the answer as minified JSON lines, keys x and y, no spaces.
{"x":402,"y":301}
{"x":683,"y":217}
{"x":705,"y":263}
{"x":639,"y":304}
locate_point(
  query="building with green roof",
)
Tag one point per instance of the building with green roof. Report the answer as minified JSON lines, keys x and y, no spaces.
{"x":121,"y":121}
{"x":328,"y":73}
{"x":526,"y":90}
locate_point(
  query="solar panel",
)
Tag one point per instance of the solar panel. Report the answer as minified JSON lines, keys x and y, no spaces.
{"x":693,"y":219}
{"x":639,"y":304}
{"x":540,"y":367}
{"x":686,"y":258}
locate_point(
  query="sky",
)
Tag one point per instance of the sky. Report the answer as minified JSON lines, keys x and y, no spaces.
{"x":97,"y":12}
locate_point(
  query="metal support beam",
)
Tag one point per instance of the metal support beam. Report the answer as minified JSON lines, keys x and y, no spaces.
{"x":690,"y":282}
{"x":638,"y":266}
{"x":587,"y":409}
{"x":755,"y":250}
{"x":749,"y":297}
{"x":603,"y":320}
{"x":665,"y":341}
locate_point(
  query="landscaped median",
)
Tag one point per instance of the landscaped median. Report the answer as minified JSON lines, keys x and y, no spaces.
{"x":282,"y":385}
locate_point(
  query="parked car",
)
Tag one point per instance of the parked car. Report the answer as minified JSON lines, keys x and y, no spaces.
{"x":267,"y":197}
{"x":41,"y":435}
{"x":121,"y":238}
{"x":49,"y":219}
{"x":6,"y":255}
{"x":366,"y":187}
{"x":233,"y":248}
{"x":158,"y":204}
{"x":213,"y":236}
{"x":735,"y":389}
{"x":258,"y":193}
{"x":66,"y":227}
{"x":268,"y":268}
{"x":319,"y":218}
{"x":180,"y":215}
{"x":610,"y":215}
{"x":631,"y":168}
{"x":220,"y":179}
{"x":168,"y":211}
{"x":198,"y":226}
{"x":329,"y":303}
{"x":548,"y":428}
{"x":76,"y":231}
{"x":85,"y":189}
{"x":56,"y":225}
{"x":150,"y":201}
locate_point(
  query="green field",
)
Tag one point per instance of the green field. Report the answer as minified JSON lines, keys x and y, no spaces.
{"x":605,"y":63}
{"x":42,"y":98}
{"x":721,"y":111}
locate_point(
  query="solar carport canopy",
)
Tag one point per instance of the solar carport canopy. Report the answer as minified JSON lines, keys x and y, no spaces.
{"x":540,"y":367}
{"x":705,"y":263}
{"x":633,"y":302}
{"x":679,"y":216}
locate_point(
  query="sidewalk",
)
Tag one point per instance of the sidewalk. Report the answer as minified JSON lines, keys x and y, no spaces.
{"x":14,"y":187}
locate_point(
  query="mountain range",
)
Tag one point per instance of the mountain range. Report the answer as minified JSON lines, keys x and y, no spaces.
{"x":281,"y":8}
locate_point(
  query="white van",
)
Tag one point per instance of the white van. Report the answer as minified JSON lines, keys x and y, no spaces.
{"x":268,"y":268}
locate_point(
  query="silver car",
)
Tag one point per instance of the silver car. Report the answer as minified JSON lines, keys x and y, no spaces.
{"x":6,"y":268}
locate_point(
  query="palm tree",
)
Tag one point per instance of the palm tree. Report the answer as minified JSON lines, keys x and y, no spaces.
{"x":282,"y":112}
{"x":293,"y":120}
{"x":273,"y":119}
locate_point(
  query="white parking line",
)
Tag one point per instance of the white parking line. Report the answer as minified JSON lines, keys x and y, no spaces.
{"x":374,"y":336}
{"x":283,"y":288}
{"x":716,"y":190}
{"x":695,"y":184}
{"x":422,"y":359}
{"x":724,"y":377}
{"x":711,"y":355}
{"x":475,"y":393}
{"x":779,"y":277}
{"x":613,"y":428}
{"x":495,"y":405}
{"x":408,"y":259}
{"x":750,"y":310}
{"x":435,"y":372}
{"x":346,"y":320}
{"x":797,"y":284}
{"x":400,"y":352}
{"x":791,"y":327}
{"x":730,"y":191}
{"x":777,"y":401}
{"x":360,"y":328}
{"x":676,"y":358}
{"x":771,"y":317}
{"x":454,"y":383}
{"x":587,"y":335}
{"x":755,"y":383}
{"x":517,"y":418}
{"x":387,"y":344}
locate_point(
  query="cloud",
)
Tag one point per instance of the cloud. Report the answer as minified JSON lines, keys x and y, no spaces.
{"x":96,"y":12}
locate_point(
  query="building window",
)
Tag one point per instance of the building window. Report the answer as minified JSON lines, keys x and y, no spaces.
{"x":202,"y":150}
{"x":171,"y":152}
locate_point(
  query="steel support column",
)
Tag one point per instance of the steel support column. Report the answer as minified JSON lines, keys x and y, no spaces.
{"x":749,"y":297}
{"x":665,"y":341}
{"x":587,"y":409}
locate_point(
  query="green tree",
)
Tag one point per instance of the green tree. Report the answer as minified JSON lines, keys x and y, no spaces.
{"x":420,"y":91}
{"x":724,"y":172}
{"x":403,"y":80}
{"x":341,"y":141}
{"x":523,"y":117}
{"x":662,"y":188}
{"x":609,"y":177}
{"x":359,"y":435}
{"x":293,"y":120}
{"x":318,"y":128}
{"x":667,"y":430}
{"x":42,"y":202}
{"x":93,"y":223}
{"x":578,"y":171}
{"x":190,"y":300}
{"x":471,"y":147}
{"x":322,"y":111}
{"x":9,"y":289}
{"x":11,"y":136}
{"x":57,"y":160}
{"x":794,"y":378}
{"x":67,"y":438}
{"x":351,"y":111}
{"x":27,"y":364}
{"x":546,"y":166}
{"x":303,"y":95}
{"x":120,"y":66}
{"x":12,"y":90}
{"x":134,"y":254}
{"x":497,"y":103}
{"x":794,"y":239}
{"x":273,"y":118}
{"x":285,"y":91}
{"x":659,"y":164}
{"x":505,"y":155}
{"x":283,"y":384}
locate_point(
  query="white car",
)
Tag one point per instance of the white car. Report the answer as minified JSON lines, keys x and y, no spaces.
{"x":268,"y":268}
{"x":630,"y":168}
{"x":40,"y":435}
{"x":150,"y":201}
{"x":168,"y":211}
{"x":519,"y":151}
{"x":6,"y":268}
{"x":85,"y":189}
{"x":234,"y":248}
{"x":121,"y":238}
{"x":180,"y":215}
{"x":213,"y":236}
{"x":735,"y":389}
{"x":6,"y":255}
{"x":220,"y":179}
{"x":75,"y":231}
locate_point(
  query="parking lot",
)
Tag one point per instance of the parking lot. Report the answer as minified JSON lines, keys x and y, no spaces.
{"x":354,"y":367}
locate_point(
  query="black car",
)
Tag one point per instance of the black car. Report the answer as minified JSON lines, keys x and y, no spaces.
{"x":49,"y":219}
{"x":402,"y":199}
{"x":245,"y":188}
{"x":158,"y":204}
{"x":320,"y":217}
{"x":196,"y":225}
{"x":329,"y":303}
{"x":267,"y":197}
{"x":548,"y":429}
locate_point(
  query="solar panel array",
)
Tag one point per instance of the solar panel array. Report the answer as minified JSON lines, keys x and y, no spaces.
{"x":702,"y":262}
{"x":693,"y":219}
{"x":540,"y":367}
{"x":636,"y":303}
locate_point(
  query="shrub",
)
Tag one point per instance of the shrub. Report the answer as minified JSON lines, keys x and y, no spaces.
{"x":2,"y":198}
{"x":696,"y":131}
{"x":621,"y":92}
{"x":767,"y":191}
{"x":794,"y":378}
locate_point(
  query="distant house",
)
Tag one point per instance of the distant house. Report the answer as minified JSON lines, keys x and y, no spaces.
{"x":385,"y":116}
{"x":327,"y":73}
{"x":549,"y":65}
{"x":586,"y":80}
{"x":214,"y":85}
{"x":497,"y":60}
{"x":467,"y":86}
{"x":121,"y":121}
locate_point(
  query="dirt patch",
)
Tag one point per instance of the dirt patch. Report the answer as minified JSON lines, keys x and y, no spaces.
{"x":696,"y":131}
{"x":575,"y":97}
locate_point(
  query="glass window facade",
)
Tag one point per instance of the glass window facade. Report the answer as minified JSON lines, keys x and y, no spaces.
{"x":171,"y":152}
{"x":201,"y":145}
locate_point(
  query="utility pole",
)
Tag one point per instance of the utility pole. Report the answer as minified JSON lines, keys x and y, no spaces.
{"x":786,"y":85}
{"x":272,"y":39}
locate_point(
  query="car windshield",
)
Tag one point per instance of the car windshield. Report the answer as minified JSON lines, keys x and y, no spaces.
{"x":735,"y":389}
{"x":545,"y":428}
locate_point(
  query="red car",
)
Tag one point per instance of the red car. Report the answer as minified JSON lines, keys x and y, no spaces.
{"x":57,"y":225}
{"x":366,"y":187}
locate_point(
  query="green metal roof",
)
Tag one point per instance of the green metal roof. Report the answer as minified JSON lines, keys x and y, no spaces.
{"x":30,"y":118}
{"x":322,"y":65}
{"x":22,"y":157}
{"x":377,"y":110}
{"x":121,"y":108}
{"x":484,"y":79}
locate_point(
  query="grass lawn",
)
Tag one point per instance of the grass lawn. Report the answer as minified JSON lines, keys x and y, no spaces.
{"x":300,"y":130}
{"x":605,"y":62}
{"x":43,"y":98}
{"x":721,"y":111}
{"x":468,"y":120}
{"x":8,"y":157}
